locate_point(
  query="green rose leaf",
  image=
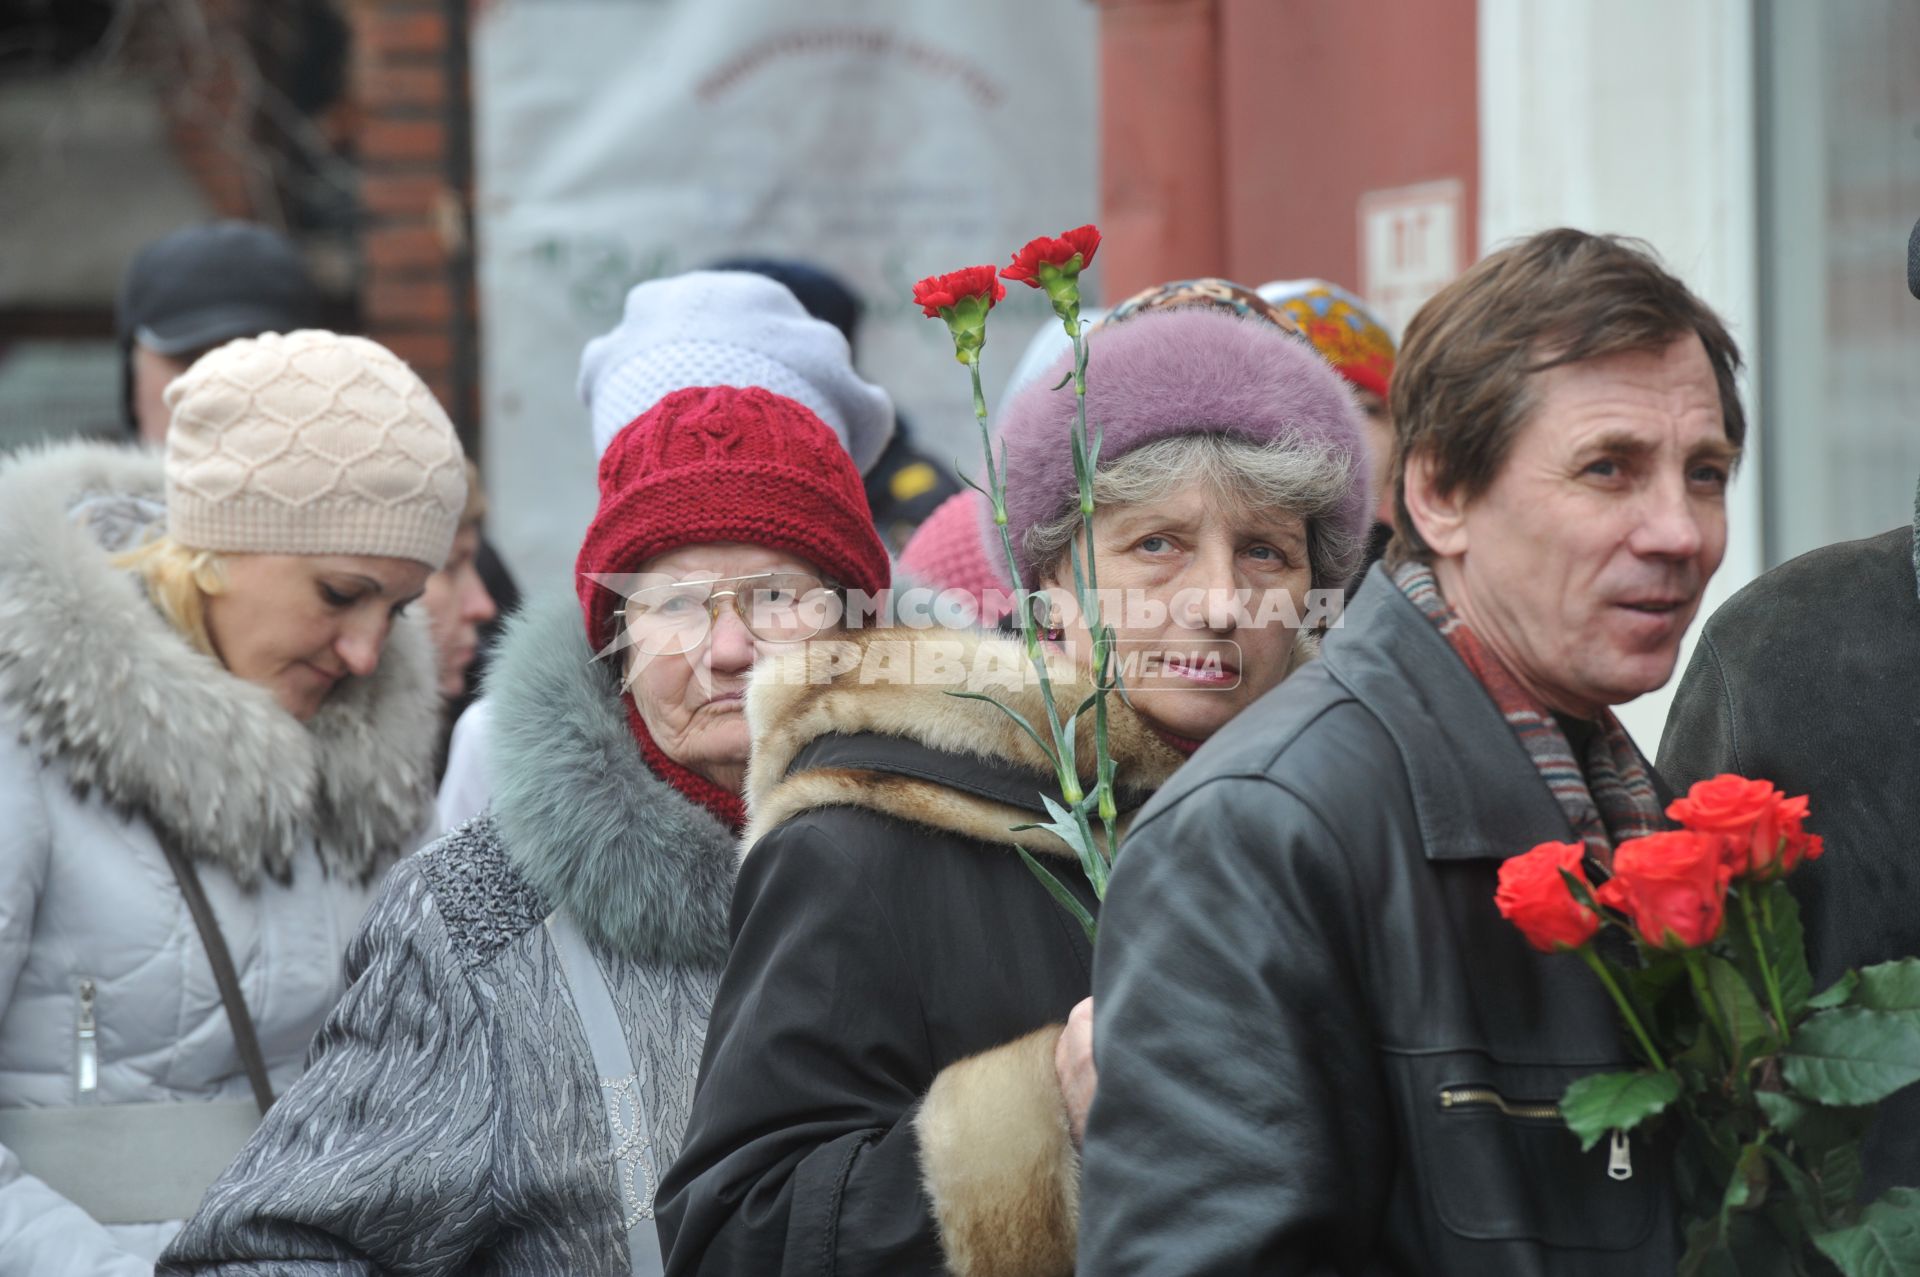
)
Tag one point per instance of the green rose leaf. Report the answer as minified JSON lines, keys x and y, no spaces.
{"x":1814,"y":1127}
{"x":1886,"y":1241}
{"x":1837,"y":994}
{"x":1853,"y":1056}
{"x":1604,"y":1102}
{"x":1890,"y":986}
{"x":1783,"y":944}
{"x":1838,"y":1171}
{"x":1738,"y":1006}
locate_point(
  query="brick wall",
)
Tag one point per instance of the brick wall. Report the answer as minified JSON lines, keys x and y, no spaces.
{"x":409,"y":239}
{"x":414,"y":223}
{"x":211,"y":122}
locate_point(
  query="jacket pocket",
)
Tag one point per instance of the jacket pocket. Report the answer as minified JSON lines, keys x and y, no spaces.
{"x":86,"y":1040}
{"x":1497,"y":1163}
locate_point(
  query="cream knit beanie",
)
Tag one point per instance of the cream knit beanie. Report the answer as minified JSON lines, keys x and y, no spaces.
{"x":311,"y":443}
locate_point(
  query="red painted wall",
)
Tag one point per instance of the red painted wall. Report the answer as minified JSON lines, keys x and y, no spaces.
{"x":1322,"y":102}
{"x":1311,"y":103}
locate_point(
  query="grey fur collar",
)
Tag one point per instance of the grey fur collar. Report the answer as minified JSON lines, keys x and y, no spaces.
{"x":646,"y":871}
{"x":100,"y":685}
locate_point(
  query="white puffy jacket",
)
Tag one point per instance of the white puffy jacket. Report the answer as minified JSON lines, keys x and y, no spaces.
{"x":113,"y":728}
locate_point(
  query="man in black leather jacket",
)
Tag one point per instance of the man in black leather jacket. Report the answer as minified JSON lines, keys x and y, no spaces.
{"x":1320,"y":1048}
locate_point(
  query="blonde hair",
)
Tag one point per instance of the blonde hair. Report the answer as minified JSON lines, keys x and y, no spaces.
{"x":180,"y":580}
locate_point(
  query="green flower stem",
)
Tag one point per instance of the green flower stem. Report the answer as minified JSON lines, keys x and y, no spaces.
{"x":1710,"y":1006}
{"x":996,"y":486}
{"x":1767,"y":975}
{"x":1090,"y":593}
{"x":1626,"y":1007}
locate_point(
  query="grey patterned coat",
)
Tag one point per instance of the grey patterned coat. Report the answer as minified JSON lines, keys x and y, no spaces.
{"x":451,"y":1119}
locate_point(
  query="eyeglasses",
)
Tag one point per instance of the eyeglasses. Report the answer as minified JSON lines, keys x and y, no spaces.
{"x":776,"y":607}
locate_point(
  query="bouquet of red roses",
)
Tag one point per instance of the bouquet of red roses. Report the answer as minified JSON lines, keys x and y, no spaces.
{"x":1773,"y":1084}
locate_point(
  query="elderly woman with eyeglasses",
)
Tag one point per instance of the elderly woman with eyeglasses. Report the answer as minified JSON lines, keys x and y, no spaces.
{"x":511,"y":1070}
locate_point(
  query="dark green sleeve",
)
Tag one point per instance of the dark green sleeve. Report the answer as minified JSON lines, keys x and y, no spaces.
{"x":1702,"y":736}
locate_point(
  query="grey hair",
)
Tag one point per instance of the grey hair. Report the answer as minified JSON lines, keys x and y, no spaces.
{"x":1310,"y":482}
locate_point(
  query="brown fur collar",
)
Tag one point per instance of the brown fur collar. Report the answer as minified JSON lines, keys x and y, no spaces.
{"x":862,"y":683}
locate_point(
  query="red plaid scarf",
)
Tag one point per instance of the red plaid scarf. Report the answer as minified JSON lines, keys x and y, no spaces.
{"x":1607,"y":796}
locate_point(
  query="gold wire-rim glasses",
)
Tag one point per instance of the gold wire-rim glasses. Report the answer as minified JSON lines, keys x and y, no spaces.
{"x":813,"y":609}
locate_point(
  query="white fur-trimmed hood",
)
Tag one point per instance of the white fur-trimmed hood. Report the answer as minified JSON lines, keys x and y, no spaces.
{"x":95,"y":681}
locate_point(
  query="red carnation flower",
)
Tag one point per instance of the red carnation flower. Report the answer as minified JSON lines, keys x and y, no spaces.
{"x":943,"y":292}
{"x":1083,"y":241}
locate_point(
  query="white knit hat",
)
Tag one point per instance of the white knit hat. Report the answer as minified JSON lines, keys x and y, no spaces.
{"x":729,"y":328}
{"x":311,"y":443}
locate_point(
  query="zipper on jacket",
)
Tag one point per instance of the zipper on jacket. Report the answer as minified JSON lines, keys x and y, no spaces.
{"x":1619,"y":1156}
{"x":1619,"y":1149}
{"x":1454,"y":1097}
{"x":86,"y":1049}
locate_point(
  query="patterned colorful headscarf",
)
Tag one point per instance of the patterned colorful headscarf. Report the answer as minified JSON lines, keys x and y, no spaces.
{"x":1221,"y":293}
{"x":1340,"y":327}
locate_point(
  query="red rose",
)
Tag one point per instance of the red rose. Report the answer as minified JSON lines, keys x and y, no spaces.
{"x":1533,"y":897}
{"x":943,"y":292}
{"x":1081,"y":240}
{"x":1673,"y":885}
{"x":1762,"y":826}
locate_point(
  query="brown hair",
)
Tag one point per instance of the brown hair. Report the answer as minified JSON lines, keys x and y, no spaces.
{"x":1462,"y":387}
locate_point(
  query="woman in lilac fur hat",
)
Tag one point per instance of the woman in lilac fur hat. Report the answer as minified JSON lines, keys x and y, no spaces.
{"x":898,"y":1063}
{"x":1233,"y":469}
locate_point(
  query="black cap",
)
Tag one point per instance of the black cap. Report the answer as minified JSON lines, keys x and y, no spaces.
{"x":206,"y":285}
{"x":820,"y":292}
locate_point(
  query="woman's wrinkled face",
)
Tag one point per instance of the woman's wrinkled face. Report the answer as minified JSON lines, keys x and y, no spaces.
{"x":1193,"y":585}
{"x":298,"y":624}
{"x":694,"y":701}
{"x":457,"y":606}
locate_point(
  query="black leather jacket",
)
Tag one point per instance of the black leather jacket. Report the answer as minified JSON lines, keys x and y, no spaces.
{"x":1321,"y":1049}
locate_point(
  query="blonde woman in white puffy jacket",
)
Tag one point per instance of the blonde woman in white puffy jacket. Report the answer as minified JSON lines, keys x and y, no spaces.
{"x":208,"y":687}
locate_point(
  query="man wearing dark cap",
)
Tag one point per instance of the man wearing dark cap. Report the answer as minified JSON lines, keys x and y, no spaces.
{"x":904,"y":485}
{"x":198,"y":288}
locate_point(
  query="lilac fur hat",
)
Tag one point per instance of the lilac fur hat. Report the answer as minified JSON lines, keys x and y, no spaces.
{"x":1162,"y":373}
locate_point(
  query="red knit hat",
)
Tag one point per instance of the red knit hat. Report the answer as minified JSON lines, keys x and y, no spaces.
{"x":719,"y":463}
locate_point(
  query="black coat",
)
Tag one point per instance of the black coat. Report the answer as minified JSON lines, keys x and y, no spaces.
{"x":878,"y":1094}
{"x":1810,"y":678}
{"x":1305,"y":1000}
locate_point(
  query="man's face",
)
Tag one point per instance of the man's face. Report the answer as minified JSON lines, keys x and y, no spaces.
{"x":151,"y":373}
{"x":1584,"y":561}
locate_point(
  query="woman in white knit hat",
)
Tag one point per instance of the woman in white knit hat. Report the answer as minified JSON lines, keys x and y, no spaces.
{"x":216,"y":732}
